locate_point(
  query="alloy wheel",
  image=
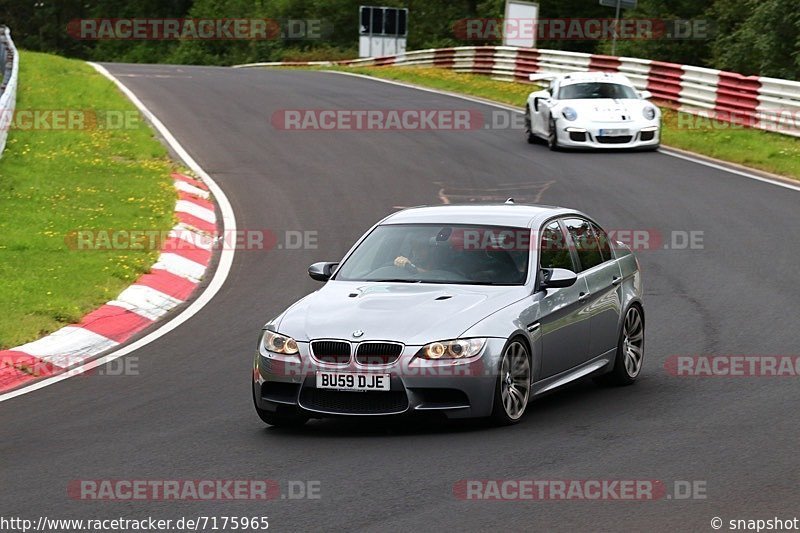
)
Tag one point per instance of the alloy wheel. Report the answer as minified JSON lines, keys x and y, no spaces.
{"x":633,"y":342}
{"x":515,"y":380}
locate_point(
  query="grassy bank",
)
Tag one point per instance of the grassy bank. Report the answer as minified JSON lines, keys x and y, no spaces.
{"x":90,"y":163}
{"x":772,"y":152}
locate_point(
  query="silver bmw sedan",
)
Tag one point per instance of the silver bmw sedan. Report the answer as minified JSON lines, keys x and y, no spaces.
{"x":465,"y":310}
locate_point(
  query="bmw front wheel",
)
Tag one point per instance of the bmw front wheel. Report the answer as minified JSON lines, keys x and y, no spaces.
{"x":285,"y":416}
{"x":513,"y":384}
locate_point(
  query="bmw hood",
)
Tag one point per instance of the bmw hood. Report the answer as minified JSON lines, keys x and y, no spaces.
{"x":608,"y":110}
{"x":411,"y":313}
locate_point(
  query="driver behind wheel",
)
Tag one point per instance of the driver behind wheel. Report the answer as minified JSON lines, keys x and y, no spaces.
{"x":420,"y":258}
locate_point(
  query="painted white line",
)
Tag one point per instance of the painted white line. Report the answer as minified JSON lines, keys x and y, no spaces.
{"x":216,"y":283}
{"x":428,"y":90}
{"x":698,"y":161}
{"x":730,"y":170}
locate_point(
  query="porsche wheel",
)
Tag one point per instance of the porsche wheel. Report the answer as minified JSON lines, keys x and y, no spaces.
{"x":552,"y":137}
{"x":528,"y":129}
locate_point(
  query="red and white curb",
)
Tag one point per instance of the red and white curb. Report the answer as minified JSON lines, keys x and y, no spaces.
{"x":180,"y":267}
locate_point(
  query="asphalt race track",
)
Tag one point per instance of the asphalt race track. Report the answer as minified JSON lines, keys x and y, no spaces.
{"x":189,"y":415}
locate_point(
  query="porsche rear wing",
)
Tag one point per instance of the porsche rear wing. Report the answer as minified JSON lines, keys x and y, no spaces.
{"x":542,"y":76}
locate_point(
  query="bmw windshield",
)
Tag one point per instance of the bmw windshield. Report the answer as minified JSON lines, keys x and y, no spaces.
{"x":435,"y":253}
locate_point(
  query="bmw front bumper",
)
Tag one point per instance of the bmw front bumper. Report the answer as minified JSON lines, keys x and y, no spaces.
{"x":457,"y":389}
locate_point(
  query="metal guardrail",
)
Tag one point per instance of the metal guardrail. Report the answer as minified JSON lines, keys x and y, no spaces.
{"x":9,"y":61}
{"x":726,"y":97}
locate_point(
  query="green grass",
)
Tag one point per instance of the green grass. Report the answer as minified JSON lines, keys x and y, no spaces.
{"x":54,"y":181}
{"x":764,"y":150}
{"x":768,"y":151}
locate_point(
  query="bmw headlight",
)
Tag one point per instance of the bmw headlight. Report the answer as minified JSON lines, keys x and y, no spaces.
{"x":454,"y":349}
{"x":649,"y":112}
{"x":569,"y":113}
{"x":277,"y":343}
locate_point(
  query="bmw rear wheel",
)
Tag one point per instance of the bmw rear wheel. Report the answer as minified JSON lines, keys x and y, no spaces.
{"x":630,"y":350}
{"x":513,"y":384}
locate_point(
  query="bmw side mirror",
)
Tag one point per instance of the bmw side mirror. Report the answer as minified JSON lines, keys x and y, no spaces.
{"x":557,"y":278}
{"x":645,"y":95}
{"x":322,"y":271}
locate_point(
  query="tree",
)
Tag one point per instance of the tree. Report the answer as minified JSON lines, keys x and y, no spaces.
{"x":672,"y":46}
{"x":758,"y":37}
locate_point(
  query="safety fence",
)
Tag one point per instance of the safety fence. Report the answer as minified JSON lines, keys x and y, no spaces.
{"x":726,"y":97}
{"x":9,"y":59}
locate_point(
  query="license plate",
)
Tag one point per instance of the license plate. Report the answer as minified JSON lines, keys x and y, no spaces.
{"x":351,"y":381}
{"x":613,"y":133}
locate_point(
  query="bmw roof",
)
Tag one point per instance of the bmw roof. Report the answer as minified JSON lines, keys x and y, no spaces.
{"x":507,"y":214}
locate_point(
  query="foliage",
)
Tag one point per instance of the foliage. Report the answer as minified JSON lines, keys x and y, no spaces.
{"x":748,"y":36}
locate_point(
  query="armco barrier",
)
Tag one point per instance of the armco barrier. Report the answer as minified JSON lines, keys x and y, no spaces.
{"x":8,"y":89}
{"x":727,"y":97}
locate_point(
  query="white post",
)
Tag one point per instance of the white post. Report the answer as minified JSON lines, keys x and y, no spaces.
{"x":616,"y":27}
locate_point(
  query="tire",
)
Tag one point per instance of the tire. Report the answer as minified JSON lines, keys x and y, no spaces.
{"x":513,"y":387}
{"x":629,"y":359}
{"x":552,"y":137}
{"x":285,"y":416}
{"x":531,"y":138}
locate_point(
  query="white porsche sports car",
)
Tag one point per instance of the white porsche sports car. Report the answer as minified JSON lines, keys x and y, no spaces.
{"x":592,"y":110}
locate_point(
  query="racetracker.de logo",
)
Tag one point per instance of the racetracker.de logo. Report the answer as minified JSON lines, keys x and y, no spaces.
{"x":783,"y":120}
{"x":377,"y":119}
{"x":733,"y":366}
{"x":182,"y":240}
{"x":192,"y":489}
{"x":579,"y":29}
{"x":68,"y":119}
{"x":196,"y":29}
{"x":173,"y":489}
{"x":578,"y":489}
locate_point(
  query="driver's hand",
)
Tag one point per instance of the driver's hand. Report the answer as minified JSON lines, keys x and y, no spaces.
{"x":401,"y":262}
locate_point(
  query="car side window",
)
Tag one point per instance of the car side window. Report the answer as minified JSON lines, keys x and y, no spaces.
{"x":585,"y":242}
{"x":553,"y":248}
{"x":605,"y":243}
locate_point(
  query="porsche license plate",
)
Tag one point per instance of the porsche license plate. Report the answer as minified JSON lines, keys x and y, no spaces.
{"x":352,"y":381}
{"x":613,"y":132}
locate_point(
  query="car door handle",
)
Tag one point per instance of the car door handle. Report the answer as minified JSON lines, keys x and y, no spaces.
{"x":582,"y":297}
{"x":616,"y":280}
